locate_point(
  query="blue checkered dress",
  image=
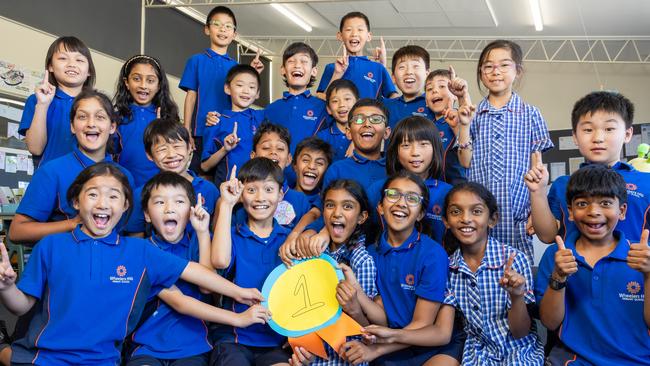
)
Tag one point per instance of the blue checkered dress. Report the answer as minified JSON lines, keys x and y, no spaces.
{"x":485,"y":305}
{"x":364,"y":269}
{"x":503,"y":140}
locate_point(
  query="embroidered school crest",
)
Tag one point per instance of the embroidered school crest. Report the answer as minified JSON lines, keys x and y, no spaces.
{"x":121,"y":271}
{"x":633,"y":287}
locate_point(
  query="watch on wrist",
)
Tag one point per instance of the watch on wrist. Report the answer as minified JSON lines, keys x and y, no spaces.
{"x":555,"y":284}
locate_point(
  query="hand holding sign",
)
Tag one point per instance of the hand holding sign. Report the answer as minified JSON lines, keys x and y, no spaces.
{"x":638,"y":257}
{"x":256,"y":314}
{"x":513,"y":282}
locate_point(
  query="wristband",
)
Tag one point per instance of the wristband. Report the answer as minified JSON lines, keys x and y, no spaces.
{"x":555,"y":284}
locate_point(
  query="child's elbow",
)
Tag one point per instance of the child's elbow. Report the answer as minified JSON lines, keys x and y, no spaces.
{"x":220,"y":263}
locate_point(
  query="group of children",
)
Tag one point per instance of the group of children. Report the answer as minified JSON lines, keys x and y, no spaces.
{"x":423,"y":198}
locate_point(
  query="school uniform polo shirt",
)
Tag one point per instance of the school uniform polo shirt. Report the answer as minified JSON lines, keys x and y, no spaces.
{"x":337,"y":139}
{"x":60,"y":139}
{"x":638,"y":201}
{"x":303,"y":115}
{"x":167,"y":334}
{"x":209,"y":196}
{"x":370,"y":77}
{"x":248,"y":121}
{"x":46,"y":196}
{"x":92,"y":292}
{"x":130,"y":144}
{"x":357,"y":168}
{"x":205,"y":73}
{"x":417,"y":268}
{"x":399,"y":108}
{"x":252,"y":259}
{"x":452,"y":172}
{"x":603,"y":322}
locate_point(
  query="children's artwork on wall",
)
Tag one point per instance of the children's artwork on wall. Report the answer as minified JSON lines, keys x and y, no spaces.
{"x":18,"y":80}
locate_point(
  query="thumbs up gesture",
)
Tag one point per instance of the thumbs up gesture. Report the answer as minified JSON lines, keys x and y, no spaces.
{"x":513,"y":282}
{"x":638,"y":257}
{"x":565,"y":262}
{"x":537,"y":177}
{"x":257,"y":64}
{"x":7,"y":273}
{"x":45,"y":91}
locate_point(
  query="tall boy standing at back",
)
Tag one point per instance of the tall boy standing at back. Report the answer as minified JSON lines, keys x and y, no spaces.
{"x":371,"y":78}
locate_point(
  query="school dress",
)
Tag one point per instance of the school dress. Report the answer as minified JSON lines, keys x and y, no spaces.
{"x":130,"y":134}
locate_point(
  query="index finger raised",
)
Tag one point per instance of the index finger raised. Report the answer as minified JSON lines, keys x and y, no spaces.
{"x":452,"y":72}
{"x":511,"y":260}
{"x":5,"y":255}
{"x":46,"y":76}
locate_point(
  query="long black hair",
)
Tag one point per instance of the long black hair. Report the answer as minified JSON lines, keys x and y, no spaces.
{"x":413,"y":129}
{"x":359,"y":195}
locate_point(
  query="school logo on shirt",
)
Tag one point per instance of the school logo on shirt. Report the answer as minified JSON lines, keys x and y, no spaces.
{"x":309,"y":115}
{"x":442,"y":137}
{"x":409,"y":283}
{"x":421,"y":110}
{"x":369,"y":77}
{"x":632,"y":293}
{"x":121,"y":277}
{"x":632,"y":190}
{"x":435,"y":213}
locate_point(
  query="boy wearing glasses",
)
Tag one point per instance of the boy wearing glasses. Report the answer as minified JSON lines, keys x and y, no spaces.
{"x":367,"y":128}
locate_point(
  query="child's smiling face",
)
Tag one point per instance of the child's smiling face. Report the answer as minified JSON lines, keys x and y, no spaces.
{"x":92,"y":126}
{"x":438,"y":95}
{"x":367,"y":136}
{"x":168,"y":210}
{"x":260,"y":198}
{"x":171,"y":156}
{"x":273,"y":147}
{"x":597,"y":216}
{"x":354,"y":36}
{"x":310,"y":168}
{"x":339,"y":104}
{"x":468,"y":218}
{"x":142,"y":83}
{"x":409,"y":75}
{"x":341,"y":214}
{"x":101,"y":203}
{"x":222,"y":30}
{"x":399,"y":214}
{"x":298,"y":70}
{"x":243,"y":90}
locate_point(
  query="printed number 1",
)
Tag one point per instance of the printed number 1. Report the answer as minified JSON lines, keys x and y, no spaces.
{"x":308,"y":306}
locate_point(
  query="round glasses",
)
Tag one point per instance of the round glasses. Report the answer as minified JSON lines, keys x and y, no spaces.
{"x":375,"y":119}
{"x":393,"y":195}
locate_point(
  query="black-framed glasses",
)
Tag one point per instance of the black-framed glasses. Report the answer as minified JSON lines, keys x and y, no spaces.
{"x":375,"y":119}
{"x":228,"y":26}
{"x":393,"y":195}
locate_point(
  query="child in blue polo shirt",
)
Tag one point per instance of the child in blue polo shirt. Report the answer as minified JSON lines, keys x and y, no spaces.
{"x":410,"y":70}
{"x":231,"y":140}
{"x":248,"y":252}
{"x":313,"y":157}
{"x":69,"y":272}
{"x":69,"y":69}
{"x":174,"y":330}
{"x":371,"y":78}
{"x":44,"y":209}
{"x":300,"y":112}
{"x":341,"y":95}
{"x":591,"y":286}
{"x":167,"y":144}
{"x":602,"y":125}
{"x":142,"y":95}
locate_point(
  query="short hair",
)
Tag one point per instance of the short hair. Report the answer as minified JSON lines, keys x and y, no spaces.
{"x":166,"y":179}
{"x":595,"y":180}
{"x":167,"y":129}
{"x":268,"y":127}
{"x":296,"y":48}
{"x":605,"y":101}
{"x":415,"y":128}
{"x":339,"y":84}
{"x":243,"y":69}
{"x":220,"y":10}
{"x":411,"y":51}
{"x":438,"y":72}
{"x":368,"y":102}
{"x":354,"y":14}
{"x":258,"y":169}
{"x":314,"y":143}
{"x":70,"y":44}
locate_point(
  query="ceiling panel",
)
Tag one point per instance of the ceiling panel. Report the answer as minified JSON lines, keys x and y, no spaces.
{"x":416,"y":6}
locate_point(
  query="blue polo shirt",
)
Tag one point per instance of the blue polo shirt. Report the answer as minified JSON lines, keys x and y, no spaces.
{"x":417,"y":268}
{"x":248,"y":121}
{"x":452,"y":172}
{"x":336,"y":138}
{"x":370,"y":77}
{"x":603,"y":322}
{"x":398,"y":109}
{"x":92,"y":292}
{"x":167,"y":334}
{"x":290,"y":210}
{"x":209,"y":193}
{"x":638,"y":201}
{"x":205,"y":73}
{"x":252,"y":259}
{"x":437,"y":192}
{"x":46,"y":196}
{"x":358,"y":168}
{"x":130,"y":134}
{"x":60,"y":140}
{"x":303,"y":115}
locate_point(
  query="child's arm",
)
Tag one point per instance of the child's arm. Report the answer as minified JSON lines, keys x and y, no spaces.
{"x":25,"y":230}
{"x":515,"y":284}
{"x":544,"y":223}
{"x":340,"y":66}
{"x":551,"y":309}
{"x":200,"y":220}
{"x":638,"y":257}
{"x":229,"y":143}
{"x":288,"y":248}
{"x":202,"y":277}
{"x":188,"y":110}
{"x":14,"y":300}
{"x":465,"y":149}
{"x":222,"y":242}
{"x":36,"y":135}
{"x":373,"y":310}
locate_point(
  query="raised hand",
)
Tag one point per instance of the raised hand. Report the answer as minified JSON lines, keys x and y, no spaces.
{"x":456,"y":85}
{"x":451,"y":117}
{"x":513,"y":282}
{"x":537,"y":177}
{"x":257,"y":64}
{"x":638,"y":257}
{"x":565,"y":262}
{"x":231,"y":141}
{"x":199,"y":217}
{"x":45,"y":91}
{"x":256,"y":314}
{"x":7,"y":273}
{"x":341,"y":64}
{"x":212,"y":118}
{"x":231,"y":189}
{"x":249,"y":296}
{"x":380,"y":52}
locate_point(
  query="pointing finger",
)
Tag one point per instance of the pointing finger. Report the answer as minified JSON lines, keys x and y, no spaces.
{"x":199,"y":201}
{"x":46,"y":77}
{"x":5,"y":255}
{"x":257,"y":54}
{"x":511,"y":260}
{"x":452,"y":72}
{"x":234,"y":130}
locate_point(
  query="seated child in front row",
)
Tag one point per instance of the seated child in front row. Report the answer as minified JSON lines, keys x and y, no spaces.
{"x":593,"y":287}
{"x":490,"y":283}
{"x":167,"y":144}
{"x":174,"y":330}
{"x":69,"y":271}
{"x":341,"y":96}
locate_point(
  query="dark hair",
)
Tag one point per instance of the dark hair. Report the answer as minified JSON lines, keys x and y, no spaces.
{"x":605,"y":101}
{"x":167,"y":129}
{"x":438,"y":72}
{"x":356,"y":191}
{"x":258,"y":169}
{"x":515,"y":52}
{"x":296,"y":48}
{"x":98,"y":170}
{"x":596,"y":180}
{"x":267,"y":127}
{"x":368,"y":102}
{"x":71,"y":44}
{"x":166,"y":179}
{"x":354,"y":14}
{"x":405,"y":174}
{"x":163,"y":99}
{"x":314,"y":143}
{"x":410,"y":51}
{"x":243,"y":69}
{"x":339,"y":84}
{"x":414,"y":128}
{"x":451,"y":243}
{"x":106,"y":104}
{"x":220,"y":10}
